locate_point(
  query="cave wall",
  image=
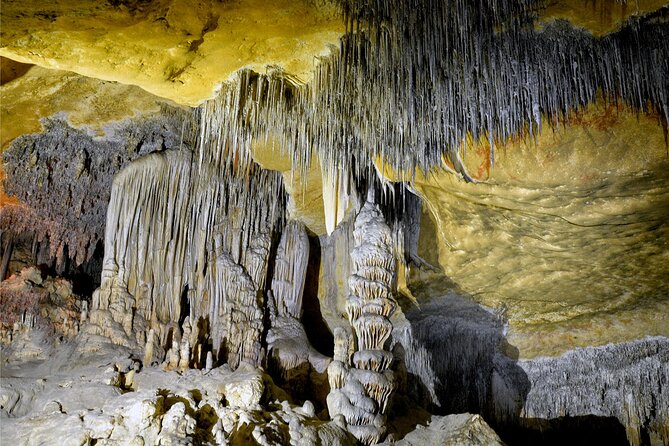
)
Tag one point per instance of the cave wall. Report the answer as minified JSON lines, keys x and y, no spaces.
{"x":64,"y":175}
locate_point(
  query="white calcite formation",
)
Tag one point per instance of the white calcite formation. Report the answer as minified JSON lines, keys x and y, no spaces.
{"x":290,"y":270}
{"x":360,"y":379}
{"x":458,"y":360}
{"x":452,"y":430}
{"x":292,"y":359}
{"x":70,"y":399}
{"x":186,"y":252}
{"x":626,"y":381}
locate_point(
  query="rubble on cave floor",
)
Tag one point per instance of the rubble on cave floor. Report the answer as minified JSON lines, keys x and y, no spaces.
{"x":31,"y":298}
{"x":71,"y":386}
{"x":90,"y":391}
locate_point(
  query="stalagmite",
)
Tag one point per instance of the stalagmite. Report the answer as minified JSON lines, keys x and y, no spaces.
{"x":362,"y":384}
{"x":149,"y":347}
{"x":209,"y":362}
{"x":84,"y":312}
{"x":237,"y":317}
{"x":173,"y":356}
{"x":184,"y":355}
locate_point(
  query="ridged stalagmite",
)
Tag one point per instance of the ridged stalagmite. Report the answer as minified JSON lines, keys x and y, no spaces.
{"x":361,"y":385}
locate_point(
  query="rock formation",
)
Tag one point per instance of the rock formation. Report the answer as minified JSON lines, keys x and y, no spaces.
{"x":158,"y":408}
{"x":29,"y":301}
{"x":297,"y":365}
{"x":175,"y":265}
{"x":68,"y":218}
{"x":361,"y":381}
{"x":452,"y":430}
{"x":290,"y":271}
{"x":200,"y":166}
{"x":623,"y":381}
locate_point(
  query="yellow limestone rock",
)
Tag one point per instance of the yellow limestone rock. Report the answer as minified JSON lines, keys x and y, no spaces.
{"x":305,"y":189}
{"x":85,"y":102}
{"x":566,"y":236}
{"x":176,"y":49}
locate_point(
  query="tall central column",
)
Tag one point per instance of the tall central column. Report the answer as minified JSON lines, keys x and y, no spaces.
{"x":361,"y":382}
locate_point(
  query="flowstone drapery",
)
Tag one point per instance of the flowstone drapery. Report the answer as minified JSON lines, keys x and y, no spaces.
{"x":291,"y":358}
{"x":290,"y":270}
{"x":186,"y":257}
{"x":361,"y":381}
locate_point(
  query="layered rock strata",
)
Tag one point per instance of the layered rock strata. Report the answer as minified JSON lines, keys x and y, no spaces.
{"x":360,"y":378}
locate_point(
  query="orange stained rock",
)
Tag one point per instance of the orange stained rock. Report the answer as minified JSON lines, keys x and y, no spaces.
{"x":5,"y":200}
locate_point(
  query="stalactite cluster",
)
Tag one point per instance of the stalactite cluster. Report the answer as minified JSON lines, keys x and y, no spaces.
{"x":361,"y":381}
{"x":186,"y":254}
{"x":62,"y":178}
{"x":625,"y":381}
{"x":411,"y":82}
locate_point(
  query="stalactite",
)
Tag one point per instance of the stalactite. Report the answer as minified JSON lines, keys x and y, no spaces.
{"x":362,"y":383}
{"x":174,"y":224}
{"x":410,"y":82}
{"x":290,"y":270}
{"x":625,"y":381}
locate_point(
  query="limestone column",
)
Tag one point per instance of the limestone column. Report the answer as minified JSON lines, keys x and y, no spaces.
{"x":360,"y":377}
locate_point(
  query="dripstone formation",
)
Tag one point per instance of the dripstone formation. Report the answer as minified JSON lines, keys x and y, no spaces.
{"x":295,"y":363}
{"x":223,"y":317}
{"x":360,"y":378}
{"x":186,"y":261}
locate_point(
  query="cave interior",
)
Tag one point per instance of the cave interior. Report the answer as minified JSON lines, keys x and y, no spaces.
{"x":334,"y":222}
